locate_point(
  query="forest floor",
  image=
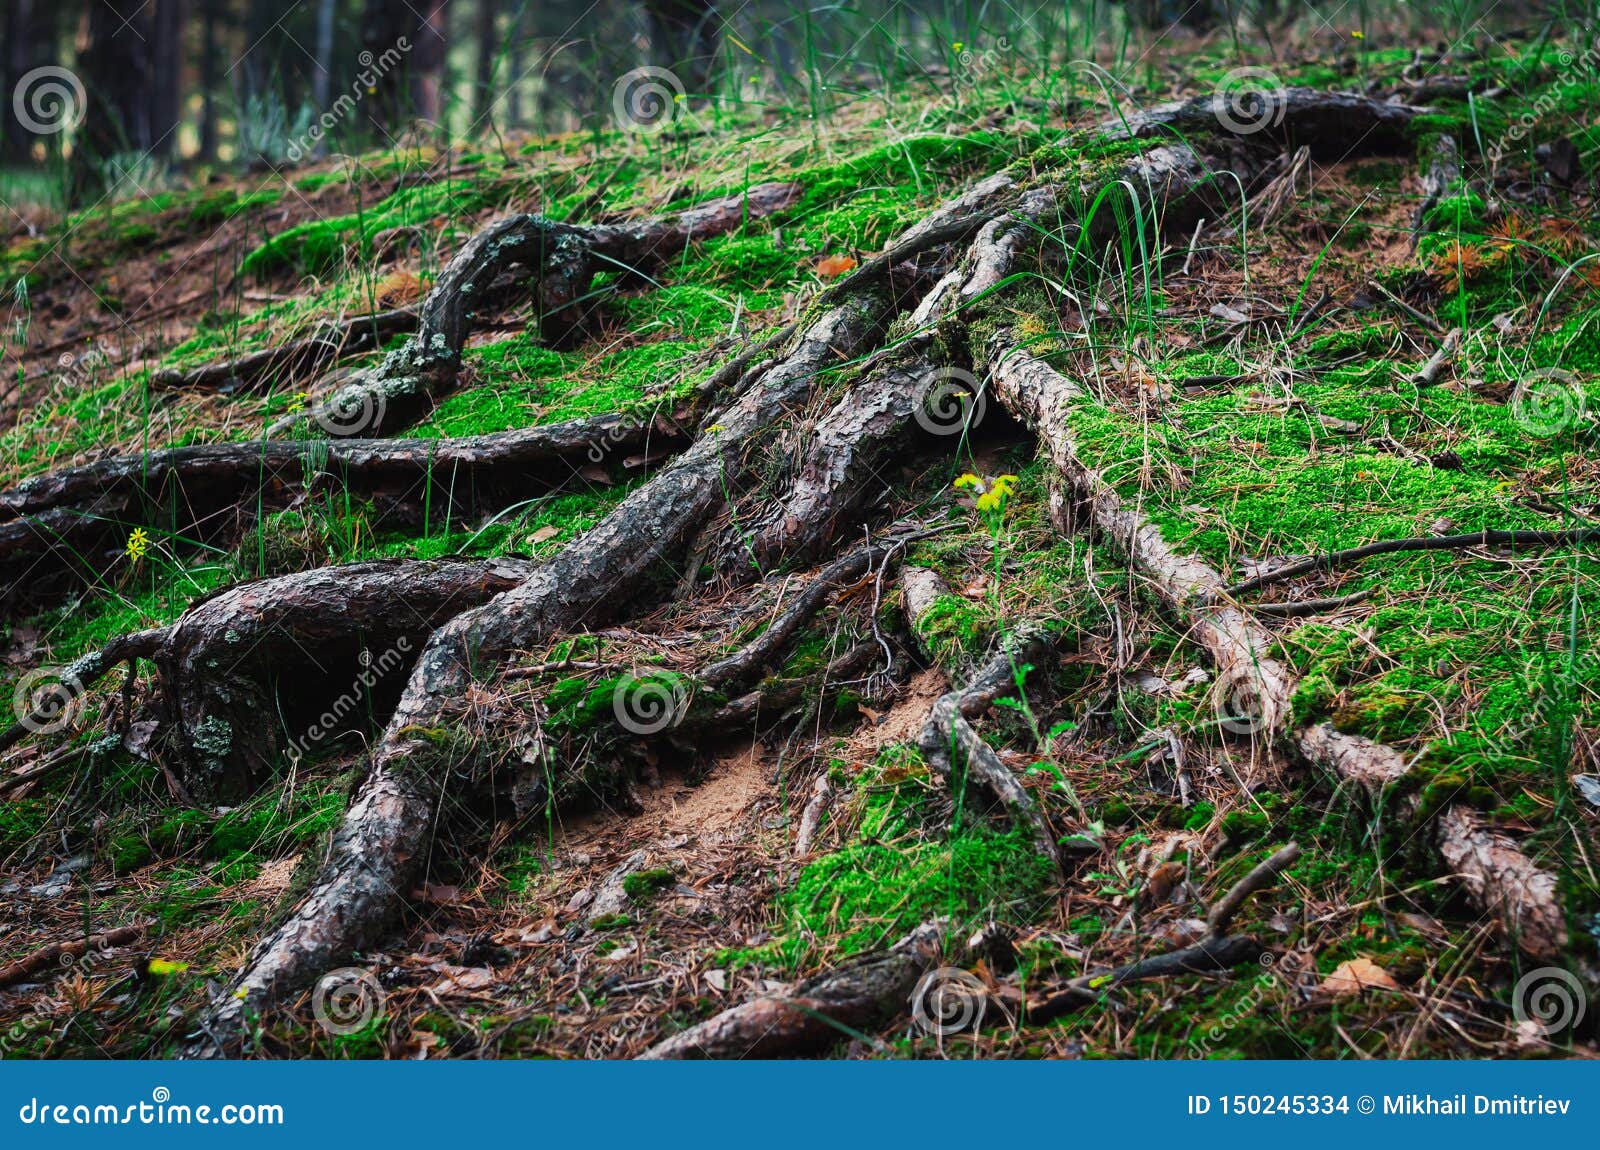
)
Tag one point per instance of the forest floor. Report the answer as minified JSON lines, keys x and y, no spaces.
{"x":1381,"y":346}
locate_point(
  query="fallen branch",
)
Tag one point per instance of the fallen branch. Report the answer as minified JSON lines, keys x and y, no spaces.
{"x":1216,"y":952}
{"x":1485,"y":538}
{"x":64,"y":953}
{"x":820,"y":1012}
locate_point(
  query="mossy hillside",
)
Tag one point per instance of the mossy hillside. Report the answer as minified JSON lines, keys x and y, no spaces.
{"x":524,"y":384}
{"x":318,"y":247}
{"x":1456,"y":646}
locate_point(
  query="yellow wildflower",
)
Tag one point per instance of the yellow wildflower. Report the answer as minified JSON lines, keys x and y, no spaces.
{"x":138,"y":543}
{"x":969,"y":481}
{"x":297,"y":402}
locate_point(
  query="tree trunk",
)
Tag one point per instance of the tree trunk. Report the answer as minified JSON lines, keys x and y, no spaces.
{"x":209,"y":48}
{"x":116,"y":74}
{"x":29,"y":37}
{"x":322,"y":82}
{"x":166,"y":72}
{"x":483,"y":103}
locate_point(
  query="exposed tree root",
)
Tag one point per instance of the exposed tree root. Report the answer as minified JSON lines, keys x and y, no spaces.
{"x":1333,"y":124}
{"x":60,"y":530}
{"x":232,"y":677}
{"x":948,"y":737}
{"x":821,"y":1011}
{"x":1461,"y":542}
{"x":1216,"y":952}
{"x":1255,"y":691}
{"x":564,"y":259}
{"x":297,"y":358}
{"x":380,"y":846}
{"x":750,"y":475}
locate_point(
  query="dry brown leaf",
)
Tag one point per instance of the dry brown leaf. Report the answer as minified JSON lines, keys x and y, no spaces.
{"x":1355,"y":975}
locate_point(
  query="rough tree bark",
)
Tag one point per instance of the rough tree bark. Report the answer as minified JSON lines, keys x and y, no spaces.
{"x":56,"y":531}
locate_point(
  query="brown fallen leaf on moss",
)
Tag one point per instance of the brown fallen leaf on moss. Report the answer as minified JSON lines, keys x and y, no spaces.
{"x":1354,"y":975}
{"x":830,"y":266}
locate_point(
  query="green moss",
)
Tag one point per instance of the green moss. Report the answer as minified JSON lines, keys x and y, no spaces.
{"x":20,"y":821}
{"x":321,"y":246}
{"x":955,"y":629}
{"x":898,"y":873}
{"x":643,"y":885}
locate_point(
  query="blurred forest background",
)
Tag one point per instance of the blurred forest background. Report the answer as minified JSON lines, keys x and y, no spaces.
{"x":114,"y":95}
